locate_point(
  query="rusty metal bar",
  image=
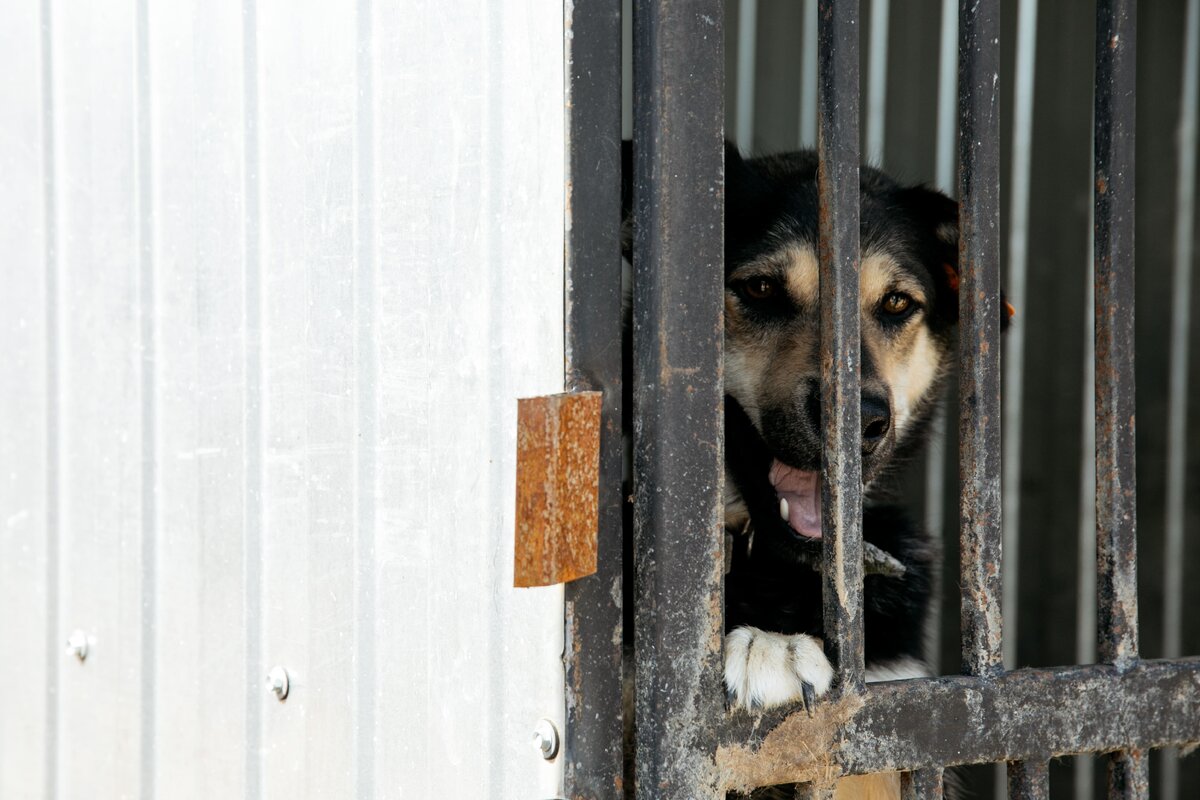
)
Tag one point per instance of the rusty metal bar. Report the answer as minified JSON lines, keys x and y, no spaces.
{"x":1028,"y":780}
{"x":1116,"y":490}
{"x":941,"y":722}
{"x":922,"y":784}
{"x":841,"y":484}
{"x":593,"y":759}
{"x":1114,"y":200}
{"x":979,"y":334}
{"x":1128,"y":775}
{"x":678,"y":199}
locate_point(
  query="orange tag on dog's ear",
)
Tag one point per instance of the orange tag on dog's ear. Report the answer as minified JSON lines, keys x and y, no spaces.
{"x":951,"y":276}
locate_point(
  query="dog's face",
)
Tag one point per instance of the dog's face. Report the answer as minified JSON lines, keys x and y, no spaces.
{"x":908,"y":307}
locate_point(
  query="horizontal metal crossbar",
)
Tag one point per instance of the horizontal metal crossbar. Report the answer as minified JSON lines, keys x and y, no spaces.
{"x":1032,"y":714}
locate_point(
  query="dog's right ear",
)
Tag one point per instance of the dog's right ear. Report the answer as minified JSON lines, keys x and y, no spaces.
{"x":939,"y":214}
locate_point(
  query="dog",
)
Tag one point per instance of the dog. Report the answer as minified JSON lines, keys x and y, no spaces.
{"x":909,"y":312}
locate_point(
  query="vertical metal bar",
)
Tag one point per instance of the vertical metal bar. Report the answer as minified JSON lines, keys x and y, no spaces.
{"x":808,"y":77}
{"x":947,"y":97}
{"x":1014,"y":364}
{"x":747,"y":50}
{"x":1028,"y":780}
{"x":1128,"y":775}
{"x":1114,"y":204}
{"x":1014,"y":352}
{"x":935,"y":467}
{"x":922,"y":784}
{"x":979,"y":334}
{"x":678,"y":396}
{"x":1085,"y":569}
{"x":592,"y":740}
{"x":877,"y":72}
{"x":841,"y":485}
{"x":1116,"y":548}
{"x":1177,"y":397}
{"x":627,"y":69}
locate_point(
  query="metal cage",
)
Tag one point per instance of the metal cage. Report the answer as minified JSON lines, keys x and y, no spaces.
{"x":687,"y":743}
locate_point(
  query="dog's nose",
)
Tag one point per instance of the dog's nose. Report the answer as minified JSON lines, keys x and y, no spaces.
{"x":876,"y":420}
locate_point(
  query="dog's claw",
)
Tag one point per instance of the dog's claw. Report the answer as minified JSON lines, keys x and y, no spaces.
{"x":808,"y":696}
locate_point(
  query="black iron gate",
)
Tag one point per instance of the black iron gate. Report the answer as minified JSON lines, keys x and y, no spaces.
{"x":688,"y":743}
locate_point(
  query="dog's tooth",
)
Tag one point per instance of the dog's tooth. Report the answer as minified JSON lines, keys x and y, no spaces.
{"x":783,"y":508}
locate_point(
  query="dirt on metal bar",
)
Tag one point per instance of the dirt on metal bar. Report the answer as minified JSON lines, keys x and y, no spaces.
{"x":979,"y":335}
{"x":922,"y":784}
{"x":931,"y":723}
{"x":593,"y":736}
{"x":678,"y":430}
{"x":841,"y":484}
{"x":1028,"y":780}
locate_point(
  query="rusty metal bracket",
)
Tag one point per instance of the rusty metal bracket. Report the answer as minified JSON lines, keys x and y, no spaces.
{"x":558,"y":477}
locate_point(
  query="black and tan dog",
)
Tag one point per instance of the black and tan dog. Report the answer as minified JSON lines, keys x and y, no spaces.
{"x":909,"y":308}
{"x":909,"y":312}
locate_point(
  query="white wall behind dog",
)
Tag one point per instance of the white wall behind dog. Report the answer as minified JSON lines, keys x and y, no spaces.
{"x":272,"y":275}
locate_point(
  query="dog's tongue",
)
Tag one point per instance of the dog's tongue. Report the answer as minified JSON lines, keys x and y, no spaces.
{"x":802,"y":491}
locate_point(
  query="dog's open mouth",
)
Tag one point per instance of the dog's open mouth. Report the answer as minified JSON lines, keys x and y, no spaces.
{"x":799,"y":494}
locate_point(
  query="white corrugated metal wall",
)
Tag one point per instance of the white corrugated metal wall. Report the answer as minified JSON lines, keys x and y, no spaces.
{"x":272,"y":275}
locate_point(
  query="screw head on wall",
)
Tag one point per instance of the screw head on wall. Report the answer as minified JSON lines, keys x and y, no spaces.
{"x":277,"y":682}
{"x":77,"y":644}
{"x":545,"y":738}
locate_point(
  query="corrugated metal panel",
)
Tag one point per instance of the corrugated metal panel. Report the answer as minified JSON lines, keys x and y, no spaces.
{"x":27,"y":529}
{"x":267,"y":326}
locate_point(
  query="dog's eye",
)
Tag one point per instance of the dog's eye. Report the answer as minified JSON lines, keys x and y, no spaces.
{"x":760,"y":288}
{"x":897,"y":304}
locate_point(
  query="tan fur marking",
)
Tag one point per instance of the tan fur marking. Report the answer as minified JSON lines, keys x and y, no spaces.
{"x":803,"y":275}
{"x":909,"y":362}
{"x":909,"y":370}
{"x":880,"y":275}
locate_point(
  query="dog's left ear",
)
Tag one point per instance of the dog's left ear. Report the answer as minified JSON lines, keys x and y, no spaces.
{"x":938,"y":215}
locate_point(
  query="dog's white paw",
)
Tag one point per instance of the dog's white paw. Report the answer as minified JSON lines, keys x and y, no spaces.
{"x":764,"y":669}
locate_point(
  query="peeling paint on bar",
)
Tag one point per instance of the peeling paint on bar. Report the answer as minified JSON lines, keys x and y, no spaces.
{"x":920,"y":724}
{"x":1116,"y":492}
{"x":593,"y":748}
{"x":678,"y":395}
{"x":979,"y":335}
{"x":1028,"y":780}
{"x":922,"y":784}
{"x":841,"y":484}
